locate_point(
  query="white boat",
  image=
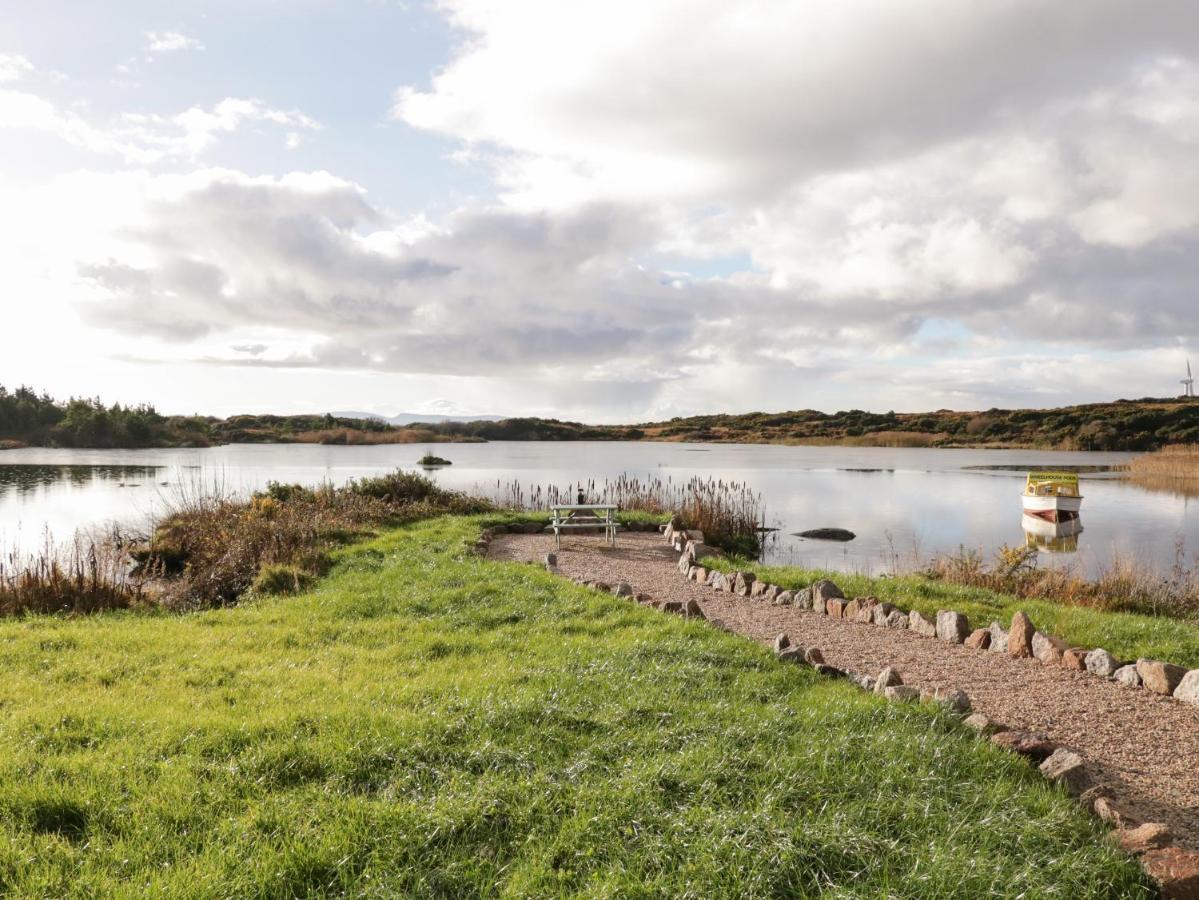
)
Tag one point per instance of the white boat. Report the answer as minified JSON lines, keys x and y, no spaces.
{"x":1052,"y":496}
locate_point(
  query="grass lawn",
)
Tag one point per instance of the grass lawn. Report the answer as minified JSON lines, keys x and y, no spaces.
{"x":1127,"y":636}
{"x":426,"y":723}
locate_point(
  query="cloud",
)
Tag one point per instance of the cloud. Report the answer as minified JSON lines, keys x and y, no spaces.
{"x":170,"y":42}
{"x":13,"y":67}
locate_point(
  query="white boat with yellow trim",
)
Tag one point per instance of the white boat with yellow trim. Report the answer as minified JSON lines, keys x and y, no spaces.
{"x":1052,"y":496}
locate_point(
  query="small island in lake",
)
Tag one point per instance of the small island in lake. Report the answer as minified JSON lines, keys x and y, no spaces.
{"x":430,"y":461}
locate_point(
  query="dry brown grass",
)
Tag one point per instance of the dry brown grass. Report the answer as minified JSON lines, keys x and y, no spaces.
{"x":353,"y":436}
{"x":1124,"y":585}
{"x":1170,"y":470}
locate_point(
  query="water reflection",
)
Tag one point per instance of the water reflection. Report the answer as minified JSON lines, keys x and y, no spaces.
{"x":26,"y":478}
{"x":1054,"y":537}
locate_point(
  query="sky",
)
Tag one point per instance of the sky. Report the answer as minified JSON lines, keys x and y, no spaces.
{"x":609,"y":211}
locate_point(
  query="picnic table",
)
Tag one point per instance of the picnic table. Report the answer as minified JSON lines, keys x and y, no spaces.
{"x":584,"y":515}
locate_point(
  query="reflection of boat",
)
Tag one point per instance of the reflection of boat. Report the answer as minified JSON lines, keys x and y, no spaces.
{"x":1052,"y":496}
{"x":1056,"y":537}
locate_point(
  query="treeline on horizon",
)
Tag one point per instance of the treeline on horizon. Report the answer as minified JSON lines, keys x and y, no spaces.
{"x":29,"y":418}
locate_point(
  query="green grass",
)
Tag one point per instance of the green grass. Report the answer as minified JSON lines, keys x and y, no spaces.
{"x":1127,"y":636}
{"x":426,"y":723}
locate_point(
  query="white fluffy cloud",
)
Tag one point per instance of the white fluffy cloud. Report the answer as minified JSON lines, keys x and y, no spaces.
{"x":170,"y":42}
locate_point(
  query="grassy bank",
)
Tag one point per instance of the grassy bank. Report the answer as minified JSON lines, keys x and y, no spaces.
{"x":1126,"y":635}
{"x":426,"y":723}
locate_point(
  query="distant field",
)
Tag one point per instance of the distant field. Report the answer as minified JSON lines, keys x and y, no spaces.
{"x":426,"y":723}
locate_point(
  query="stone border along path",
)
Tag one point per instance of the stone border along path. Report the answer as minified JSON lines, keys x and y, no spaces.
{"x":1131,"y":755}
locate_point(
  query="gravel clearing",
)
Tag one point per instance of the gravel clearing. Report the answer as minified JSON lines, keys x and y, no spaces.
{"x":1143,"y":747}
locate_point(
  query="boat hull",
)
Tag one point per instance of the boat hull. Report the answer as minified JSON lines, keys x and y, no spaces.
{"x":1052,"y":508}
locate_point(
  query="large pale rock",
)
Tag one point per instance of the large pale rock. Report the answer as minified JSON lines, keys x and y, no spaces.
{"x":999,"y":638}
{"x":743,"y":584}
{"x":952,"y":626}
{"x":880,"y":611}
{"x":781,"y":642}
{"x":980,"y":723}
{"x":852,"y":608}
{"x":793,"y":654}
{"x":1128,"y":675}
{"x":1160,"y":677}
{"x":699,"y":574}
{"x":1100,"y":662}
{"x":719,"y":581}
{"x":771,"y":593}
{"x":1188,"y":688}
{"x":1034,"y":745}
{"x":1048,"y":648}
{"x":955,"y":700}
{"x":896,"y":619}
{"x":835,"y":607}
{"x":1019,"y":638}
{"x":979,"y":639}
{"x":685,"y":563}
{"x":919,"y":624}
{"x":1068,"y":769}
{"x":623,"y":589}
{"x":902,"y":692}
{"x":784,"y":598}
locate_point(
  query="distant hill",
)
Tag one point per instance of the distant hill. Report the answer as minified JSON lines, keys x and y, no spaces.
{"x":412,"y":418}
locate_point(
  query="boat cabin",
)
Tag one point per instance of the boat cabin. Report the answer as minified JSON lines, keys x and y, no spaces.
{"x":1051,"y":484}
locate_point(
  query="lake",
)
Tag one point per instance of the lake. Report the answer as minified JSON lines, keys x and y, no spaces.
{"x":903,"y":503}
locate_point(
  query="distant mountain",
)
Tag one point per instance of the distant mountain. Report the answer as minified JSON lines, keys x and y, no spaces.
{"x":409,"y":418}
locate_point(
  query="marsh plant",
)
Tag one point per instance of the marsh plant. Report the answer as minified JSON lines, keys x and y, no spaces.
{"x":729,"y":513}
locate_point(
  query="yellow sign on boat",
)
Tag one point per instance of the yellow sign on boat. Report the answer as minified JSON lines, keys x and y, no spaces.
{"x":1053,"y":477}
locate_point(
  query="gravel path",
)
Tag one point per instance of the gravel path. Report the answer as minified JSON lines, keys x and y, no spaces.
{"x":1144,"y":747}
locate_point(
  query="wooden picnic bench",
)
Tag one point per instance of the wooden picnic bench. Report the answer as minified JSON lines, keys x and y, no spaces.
{"x":592,"y":516}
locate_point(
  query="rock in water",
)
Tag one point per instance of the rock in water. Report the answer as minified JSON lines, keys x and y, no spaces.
{"x":827,"y":534}
{"x":1019,"y":640}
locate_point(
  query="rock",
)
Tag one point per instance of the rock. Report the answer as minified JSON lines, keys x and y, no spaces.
{"x":1149,"y":836}
{"x":623,"y":589}
{"x":1103,"y":807}
{"x":980,"y":723}
{"x":697,"y":550}
{"x":699,"y":574}
{"x":879,"y":613}
{"x":719,"y":581}
{"x":979,"y":639}
{"x":642,"y":598}
{"x":1047,"y":648}
{"x":952,"y":626}
{"x":1175,"y":870}
{"x":551,"y":559}
{"x":896,"y":619}
{"x":866,"y":683}
{"x":771,"y":593}
{"x":1075,"y":659}
{"x":827,"y":534}
{"x":1019,"y":640}
{"x":743,"y":583}
{"x":802,"y":599}
{"x":684,"y":564}
{"x":823,"y":591}
{"x":814,"y":657}
{"x":954,"y":700}
{"x":835,"y":607}
{"x":784,"y":598}
{"x":601,"y":587}
{"x":829,"y":671}
{"x":793,"y":655}
{"x":1032,"y":744}
{"x":999,"y":638}
{"x":919,"y":624}
{"x":1160,"y":677}
{"x":533,"y":527}
{"x":757,"y":589}
{"x":903,"y":692}
{"x":852,"y":608}
{"x":1188,"y":689}
{"x":781,"y":642}
{"x":888,"y":677}
{"x":1100,"y":662}
{"x":1068,"y":769}
{"x":692,"y":610}
{"x":1127,"y":675}
{"x":672,"y":606}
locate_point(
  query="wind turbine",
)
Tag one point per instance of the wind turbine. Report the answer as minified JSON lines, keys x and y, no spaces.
{"x":1188,"y":383}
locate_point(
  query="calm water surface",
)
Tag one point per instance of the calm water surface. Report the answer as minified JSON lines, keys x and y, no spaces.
{"x":904,"y":502}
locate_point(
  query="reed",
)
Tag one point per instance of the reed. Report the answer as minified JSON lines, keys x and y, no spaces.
{"x":86,"y":575}
{"x":729,"y":513}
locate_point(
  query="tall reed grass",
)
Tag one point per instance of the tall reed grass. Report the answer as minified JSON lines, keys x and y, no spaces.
{"x":1172,"y":469}
{"x":88,"y":574}
{"x":728,"y":512}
